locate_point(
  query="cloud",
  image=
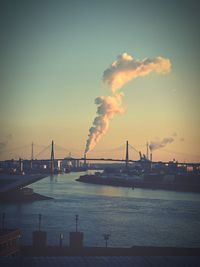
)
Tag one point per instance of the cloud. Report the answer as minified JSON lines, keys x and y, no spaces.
{"x":126,"y":68}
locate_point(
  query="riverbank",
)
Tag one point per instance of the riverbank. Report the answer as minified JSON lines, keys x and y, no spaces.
{"x":10,"y":182}
{"x":13,"y":190}
{"x":18,"y":197}
{"x":122,"y":182}
{"x":132,"y":217}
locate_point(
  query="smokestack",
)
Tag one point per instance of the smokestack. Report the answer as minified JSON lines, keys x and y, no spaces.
{"x":147,"y":150}
{"x":20,"y":165}
{"x":85,"y":163}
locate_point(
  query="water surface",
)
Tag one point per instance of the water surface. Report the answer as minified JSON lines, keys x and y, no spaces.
{"x":131,"y":217}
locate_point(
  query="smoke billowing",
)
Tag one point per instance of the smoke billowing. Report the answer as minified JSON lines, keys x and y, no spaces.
{"x":165,"y":141}
{"x":160,"y":144}
{"x":4,"y":143}
{"x":121,"y":71}
{"x":126,"y":68}
{"x":108,"y":106}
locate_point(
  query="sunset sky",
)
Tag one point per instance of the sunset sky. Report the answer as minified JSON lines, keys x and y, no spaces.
{"x":54,"y":54}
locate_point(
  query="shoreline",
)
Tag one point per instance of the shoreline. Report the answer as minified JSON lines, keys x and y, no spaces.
{"x":13,"y":185}
{"x":17,"y":197}
{"x":13,"y":181}
{"x":91,"y":179}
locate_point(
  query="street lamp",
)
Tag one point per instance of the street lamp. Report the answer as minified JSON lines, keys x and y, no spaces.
{"x":76,"y":222}
{"x":40,"y":218}
{"x":61,"y":239}
{"x":106,"y":237}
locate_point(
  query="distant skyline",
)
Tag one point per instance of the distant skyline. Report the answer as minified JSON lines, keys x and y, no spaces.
{"x":54,"y":54}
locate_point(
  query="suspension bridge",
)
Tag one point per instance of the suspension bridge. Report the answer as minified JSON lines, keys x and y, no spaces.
{"x":137,"y":157}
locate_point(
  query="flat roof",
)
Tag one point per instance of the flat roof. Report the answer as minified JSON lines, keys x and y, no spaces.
{"x":115,"y":261}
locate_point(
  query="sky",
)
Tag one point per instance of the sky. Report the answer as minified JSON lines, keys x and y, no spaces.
{"x":54,"y":54}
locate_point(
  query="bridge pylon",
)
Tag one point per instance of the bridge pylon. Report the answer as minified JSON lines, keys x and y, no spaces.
{"x":52,"y":158}
{"x":32,"y":155}
{"x":127,"y":155}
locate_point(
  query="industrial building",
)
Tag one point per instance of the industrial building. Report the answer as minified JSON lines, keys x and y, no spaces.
{"x":9,"y":242}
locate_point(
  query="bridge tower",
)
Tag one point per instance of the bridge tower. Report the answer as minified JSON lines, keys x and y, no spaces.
{"x":32,"y":156}
{"x":127,"y":157}
{"x":52,"y":158}
{"x":20,"y":166}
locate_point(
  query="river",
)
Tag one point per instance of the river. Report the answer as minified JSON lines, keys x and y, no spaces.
{"x":131,"y":217}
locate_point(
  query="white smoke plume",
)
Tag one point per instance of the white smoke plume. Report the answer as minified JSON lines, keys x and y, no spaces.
{"x":121,"y":71}
{"x":108,"y":106}
{"x":4,"y":143}
{"x":160,"y":144}
{"x":174,"y":134}
{"x":126,"y":68}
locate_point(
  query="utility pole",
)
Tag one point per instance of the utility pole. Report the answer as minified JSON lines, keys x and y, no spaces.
{"x":52,"y":158}
{"x":61,"y":239}
{"x":106,"y":237}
